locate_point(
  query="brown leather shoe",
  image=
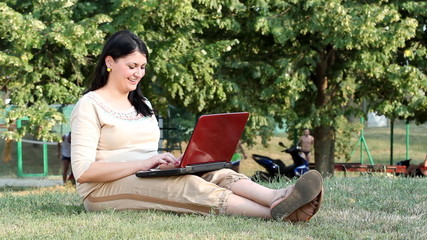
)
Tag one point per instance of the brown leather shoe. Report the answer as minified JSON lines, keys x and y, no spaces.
{"x":303,"y":202}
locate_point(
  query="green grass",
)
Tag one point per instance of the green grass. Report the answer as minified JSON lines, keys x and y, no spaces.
{"x":365,"y":207}
{"x":377,"y":139}
{"x":379,"y":144}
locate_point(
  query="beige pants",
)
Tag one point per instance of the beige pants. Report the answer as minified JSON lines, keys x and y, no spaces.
{"x":187,"y":193}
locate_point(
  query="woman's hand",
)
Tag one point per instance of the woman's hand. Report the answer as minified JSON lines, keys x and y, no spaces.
{"x":165,"y":159}
{"x":170,"y":165}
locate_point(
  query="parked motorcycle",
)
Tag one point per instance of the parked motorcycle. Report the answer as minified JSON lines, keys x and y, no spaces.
{"x":276,"y":168}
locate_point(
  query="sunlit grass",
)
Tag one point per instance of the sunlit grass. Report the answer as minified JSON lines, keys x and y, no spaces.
{"x":365,"y":207}
{"x":377,"y":140}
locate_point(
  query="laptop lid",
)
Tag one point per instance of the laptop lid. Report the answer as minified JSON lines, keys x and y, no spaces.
{"x":211,"y":147}
{"x":215,"y":138}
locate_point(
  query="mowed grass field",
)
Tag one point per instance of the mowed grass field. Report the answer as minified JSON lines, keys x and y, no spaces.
{"x":365,"y":206}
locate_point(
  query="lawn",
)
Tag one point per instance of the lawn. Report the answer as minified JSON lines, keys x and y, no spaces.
{"x":365,"y":207}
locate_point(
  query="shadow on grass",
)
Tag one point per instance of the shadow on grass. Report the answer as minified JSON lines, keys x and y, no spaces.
{"x":49,"y":200}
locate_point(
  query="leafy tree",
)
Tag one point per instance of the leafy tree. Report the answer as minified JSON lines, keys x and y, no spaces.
{"x":309,"y":62}
{"x":344,"y":52}
{"x":45,"y":54}
{"x":412,"y":105}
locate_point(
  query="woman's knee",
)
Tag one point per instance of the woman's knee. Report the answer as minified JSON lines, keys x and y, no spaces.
{"x":224,"y":177}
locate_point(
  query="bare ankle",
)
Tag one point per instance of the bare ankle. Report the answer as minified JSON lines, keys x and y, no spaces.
{"x":281,"y":193}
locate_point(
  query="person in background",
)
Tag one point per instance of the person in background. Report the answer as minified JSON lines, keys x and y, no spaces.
{"x":115,"y":134}
{"x":306,"y":143}
{"x":66,"y":158}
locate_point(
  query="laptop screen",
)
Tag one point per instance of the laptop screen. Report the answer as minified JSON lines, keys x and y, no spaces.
{"x":215,"y":138}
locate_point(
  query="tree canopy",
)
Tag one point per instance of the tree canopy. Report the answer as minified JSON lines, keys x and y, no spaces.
{"x":45,"y":54}
{"x":312,"y":63}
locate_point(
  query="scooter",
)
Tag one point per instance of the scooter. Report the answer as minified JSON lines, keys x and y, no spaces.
{"x":276,"y":168}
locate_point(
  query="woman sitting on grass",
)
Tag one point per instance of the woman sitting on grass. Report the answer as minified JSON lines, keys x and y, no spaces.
{"x":115,"y":134}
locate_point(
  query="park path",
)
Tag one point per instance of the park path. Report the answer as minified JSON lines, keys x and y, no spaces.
{"x":29,"y":182}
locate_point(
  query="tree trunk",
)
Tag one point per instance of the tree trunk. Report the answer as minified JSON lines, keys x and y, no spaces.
{"x":324,"y":150}
{"x":324,"y":136}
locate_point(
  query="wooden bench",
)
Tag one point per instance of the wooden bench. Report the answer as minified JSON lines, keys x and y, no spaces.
{"x":358,"y":167}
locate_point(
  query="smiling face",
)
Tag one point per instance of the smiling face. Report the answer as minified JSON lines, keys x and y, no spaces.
{"x":126,"y":72}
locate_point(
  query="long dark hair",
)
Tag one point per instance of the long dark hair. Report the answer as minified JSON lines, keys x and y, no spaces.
{"x":119,"y":45}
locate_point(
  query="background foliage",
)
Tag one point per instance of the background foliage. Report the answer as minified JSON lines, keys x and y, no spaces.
{"x":313,"y":63}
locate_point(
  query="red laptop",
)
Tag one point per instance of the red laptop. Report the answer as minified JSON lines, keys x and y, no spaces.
{"x":211,"y":147}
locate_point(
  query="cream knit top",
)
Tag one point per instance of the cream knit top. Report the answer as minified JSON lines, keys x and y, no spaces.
{"x":101,"y":134}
